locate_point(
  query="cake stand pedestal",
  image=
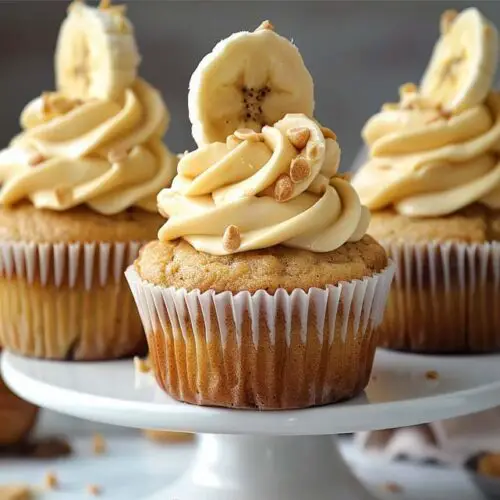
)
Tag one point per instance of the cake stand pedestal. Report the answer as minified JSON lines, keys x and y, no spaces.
{"x":249,"y":455}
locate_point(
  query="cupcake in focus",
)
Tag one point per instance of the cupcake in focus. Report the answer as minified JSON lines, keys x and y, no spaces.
{"x":432,"y":182}
{"x":78,"y":196}
{"x":263,"y":290}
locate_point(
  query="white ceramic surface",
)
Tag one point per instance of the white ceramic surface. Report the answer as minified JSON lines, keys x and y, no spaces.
{"x":399,"y":394}
{"x":269,"y":464}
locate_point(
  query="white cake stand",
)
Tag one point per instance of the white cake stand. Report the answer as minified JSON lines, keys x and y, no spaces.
{"x":248,"y":455}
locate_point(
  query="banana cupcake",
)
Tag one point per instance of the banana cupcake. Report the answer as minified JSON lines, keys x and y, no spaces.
{"x":78,"y":196}
{"x":433,"y":183}
{"x":263,"y":290}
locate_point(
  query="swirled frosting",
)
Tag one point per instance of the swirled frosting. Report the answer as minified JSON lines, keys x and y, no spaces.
{"x":106,"y":154}
{"x":258,"y":190}
{"x":427,"y":163}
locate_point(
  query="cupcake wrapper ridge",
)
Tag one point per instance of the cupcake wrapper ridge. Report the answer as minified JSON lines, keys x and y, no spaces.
{"x":248,"y":350}
{"x":65,"y":301}
{"x":444,"y":298}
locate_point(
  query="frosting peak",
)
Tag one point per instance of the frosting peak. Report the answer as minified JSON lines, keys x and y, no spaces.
{"x":258,"y":190}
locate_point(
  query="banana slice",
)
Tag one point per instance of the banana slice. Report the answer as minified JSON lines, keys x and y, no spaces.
{"x":249,"y":80}
{"x":96,"y":53}
{"x":464,"y":62}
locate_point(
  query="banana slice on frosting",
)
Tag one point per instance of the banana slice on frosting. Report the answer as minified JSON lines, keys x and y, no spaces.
{"x":249,"y":80}
{"x":96,"y":53}
{"x":463,"y":64}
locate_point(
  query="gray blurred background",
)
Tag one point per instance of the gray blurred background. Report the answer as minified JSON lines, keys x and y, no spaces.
{"x":358,"y":52}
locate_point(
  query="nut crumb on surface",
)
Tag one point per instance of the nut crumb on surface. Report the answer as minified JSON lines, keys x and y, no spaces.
{"x":431,"y":375}
{"x":142,"y":365}
{"x":98,"y":444}
{"x":51,"y":481}
{"x":393,"y":487}
{"x":16,"y":492}
{"x":231,"y":239}
{"x":94,"y":490}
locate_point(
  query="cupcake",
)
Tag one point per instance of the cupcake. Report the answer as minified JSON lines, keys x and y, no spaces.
{"x":432,"y":181}
{"x":78,"y":196}
{"x":262,"y":290}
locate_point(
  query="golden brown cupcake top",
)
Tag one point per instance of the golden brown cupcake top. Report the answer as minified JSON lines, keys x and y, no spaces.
{"x":177,"y":264}
{"x":80,"y":224}
{"x":474,"y":224}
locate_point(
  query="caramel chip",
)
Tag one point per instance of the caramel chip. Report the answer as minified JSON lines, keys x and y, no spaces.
{"x":231,"y":240}
{"x":299,"y":169}
{"x":298,"y":136}
{"x":283,"y":188}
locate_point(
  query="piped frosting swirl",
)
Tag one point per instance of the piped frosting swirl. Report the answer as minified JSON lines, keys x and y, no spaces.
{"x":257,"y":190}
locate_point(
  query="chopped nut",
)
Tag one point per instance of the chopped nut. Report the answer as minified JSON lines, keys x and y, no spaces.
{"x":283,"y":188}
{"x":313,"y":151}
{"x":51,"y":481}
{"x":36,"y":160}
{"x":328,"y":133}
{"x":231,"y":240}
{"x":94,"y":490}
{"x":98,"y":444}
{"x":247,"y":134}
{"x":117,"y":155}
{"x":265,"y":25}
{"x":15,"y":492}
{"x":299,"y":169}
{"x":392,"y":487}
{"x":142,"y":365}
{"x":299,"y":136}
{"x":447,"y":19}
{"x":431,"y":375}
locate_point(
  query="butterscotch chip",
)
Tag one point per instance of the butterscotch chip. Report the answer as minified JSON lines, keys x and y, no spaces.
{"x":94,"y":490}
{"x":15,"y":492}
{"x":231,"y":240}
{"x":266,"y":25}
{"x":298,"y":136}
{"x":98,"y":444}
{"x":299,"y":169}
{"x":431,"y":375}
{"x":247,"y":134}
{"x":393,"y":487}
{"x":283,"y":188}
{"x":142,"y":365}
{"x":51,"y":481}
{"x":328,"y":133}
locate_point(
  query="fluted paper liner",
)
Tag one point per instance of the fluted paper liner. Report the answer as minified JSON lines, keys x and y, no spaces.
{"x":257,"y":350}
{"x":445,"y":298}
{"x":65,"y":301}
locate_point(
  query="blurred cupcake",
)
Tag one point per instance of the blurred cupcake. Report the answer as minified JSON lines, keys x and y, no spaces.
{"x":78,"y":196}
{"x":433,"y":182}
{"x":263,"y":290}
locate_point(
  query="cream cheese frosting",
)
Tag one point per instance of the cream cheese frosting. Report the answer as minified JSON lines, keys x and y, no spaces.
{"x":107,"y":154}
{"x":257,"y":190}
{"x":425,"y":162}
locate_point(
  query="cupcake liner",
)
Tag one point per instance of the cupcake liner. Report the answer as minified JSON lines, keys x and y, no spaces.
{"x":444,"y":298}
{"x":68,"y":300}
{"x":257,"y":350}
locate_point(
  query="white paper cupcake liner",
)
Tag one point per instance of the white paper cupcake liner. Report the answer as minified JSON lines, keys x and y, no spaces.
{"x":335,"y":324}
{"x":68,"y":300}
{"x":444,"y":297}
